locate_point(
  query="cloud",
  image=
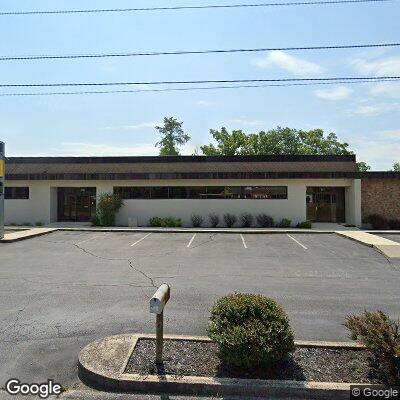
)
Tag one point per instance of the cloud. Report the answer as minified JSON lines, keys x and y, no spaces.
{"x":204,"y":103}
{"x":378,"y":149}
{"x":337,"y":93}
{"x":134,"y":127}
{"x":376,"y":109}
{"x":391,"y":134}
{"x":389,"y":66}
{"x":295,"y":65}
{"x":387,"y":89}
{"x":245,"y":121}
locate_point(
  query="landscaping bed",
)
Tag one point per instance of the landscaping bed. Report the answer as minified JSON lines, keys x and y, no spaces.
{"x":201,"y":358}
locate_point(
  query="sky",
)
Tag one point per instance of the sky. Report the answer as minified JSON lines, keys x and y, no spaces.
{"x":366,"y":115}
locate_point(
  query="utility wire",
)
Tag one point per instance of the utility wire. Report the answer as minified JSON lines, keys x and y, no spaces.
{"x":185,"y":52}
{"x":186,"y":89}
{"x":174,"y":8}
{"x":16,"y":85}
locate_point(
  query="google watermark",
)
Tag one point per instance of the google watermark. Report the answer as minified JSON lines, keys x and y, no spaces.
{"x":43,"y":390}
{"x":361,"y":392}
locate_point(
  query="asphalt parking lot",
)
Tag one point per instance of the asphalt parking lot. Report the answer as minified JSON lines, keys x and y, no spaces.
{"x":391,"y":236}
{"x":60,"y":291}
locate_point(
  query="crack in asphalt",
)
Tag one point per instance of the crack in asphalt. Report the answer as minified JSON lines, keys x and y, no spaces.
{"x":15,"y":322}
{"x":128,"y":260}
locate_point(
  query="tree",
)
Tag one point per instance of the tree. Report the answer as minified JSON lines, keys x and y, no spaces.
{"x":275,"y":141}
{"x":396,"y":166}
{"x":362,"y":166}
{"x":172,"y":136}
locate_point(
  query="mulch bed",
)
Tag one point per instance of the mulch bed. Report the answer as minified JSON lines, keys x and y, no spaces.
{"x":197,"y":358}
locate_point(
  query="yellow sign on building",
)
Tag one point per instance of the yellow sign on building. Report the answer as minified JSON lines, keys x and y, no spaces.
{"x":2,"y":168}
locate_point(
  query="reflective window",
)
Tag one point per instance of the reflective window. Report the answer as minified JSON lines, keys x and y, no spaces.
{"x":16,"y":193}
{"x":203,"y":192}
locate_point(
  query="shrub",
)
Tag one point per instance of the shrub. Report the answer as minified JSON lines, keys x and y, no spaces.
{"x":39,"y":223}
{"x":26,"y":224}
{"x":265,"y":221}
{"x":394,"y":224}
{"x":247,"y":220}
{"x":378,"y":222}
{"x":155,"y":221}
{"x":165,"y":222}
{"x":197,"y":220}
{"x":381,"y":336}
{"x":95,"y":220}
{"x":285,"y":223}
{"x":230,"y":219}
{"x":214,"y":220}
{"x":251,"y":330}
{"x":304,"y":225}
{"x":107,"y":206}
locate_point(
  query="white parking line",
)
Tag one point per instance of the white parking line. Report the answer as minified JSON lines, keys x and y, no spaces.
{"x":191,"y":240}
{"x":300,"y":244}
{"x":138,"y":241}
{"x":87,"y":240}
{"x":244,"y":242}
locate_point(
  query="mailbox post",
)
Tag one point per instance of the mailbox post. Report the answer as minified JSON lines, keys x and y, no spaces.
{"x":2,"y":188}
{"x":157,"y":304}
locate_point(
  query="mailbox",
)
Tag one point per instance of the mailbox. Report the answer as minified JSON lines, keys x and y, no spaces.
{"x":157,"y":304}
{"x":160,"y":299}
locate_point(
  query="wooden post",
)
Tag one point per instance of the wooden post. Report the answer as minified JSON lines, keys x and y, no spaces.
{"x":159,"y":337}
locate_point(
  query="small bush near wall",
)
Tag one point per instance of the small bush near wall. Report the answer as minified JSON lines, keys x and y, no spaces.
{"x":379,"y":222}
{"x":39,"y":223}
{"x":107,"y":206}
{"x":304,"y":225}
{"x":394,"y":224}
{"x":381,"y":336}
{"x":251,"y":330}
{"x":265,"y":221}
{"x":214,"y":220}
{"x":197,"y":220}
{"x":247,"y":220}
{"x":230,"y":220}
{"x":285,"y":223}
{"x":167,"y":222}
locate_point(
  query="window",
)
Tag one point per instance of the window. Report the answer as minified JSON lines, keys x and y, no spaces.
{"x":14,"y":193}
{"x":203,"y":192}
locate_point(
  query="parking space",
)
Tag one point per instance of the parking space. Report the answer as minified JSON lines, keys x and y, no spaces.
{"x":65,"y":289}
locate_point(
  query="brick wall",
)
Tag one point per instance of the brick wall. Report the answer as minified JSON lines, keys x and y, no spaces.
{"x":380,"y":196}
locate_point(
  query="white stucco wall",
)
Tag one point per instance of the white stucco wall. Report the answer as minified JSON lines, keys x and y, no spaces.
{"x":42,"y":204}
{"x":353,"y":203}
{"x":33,"y":210}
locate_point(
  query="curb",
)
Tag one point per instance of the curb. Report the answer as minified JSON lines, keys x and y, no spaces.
{"x":197,"y":230}
{"x":102,"y":364}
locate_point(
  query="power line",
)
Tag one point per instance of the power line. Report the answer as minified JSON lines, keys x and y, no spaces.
{"x":217,"y":81}
{"x":186,"y":89}
{"x":186,"y":52}
{"x":175,"y":8}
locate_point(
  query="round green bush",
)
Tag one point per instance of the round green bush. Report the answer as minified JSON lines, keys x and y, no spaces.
{"x":251,"y":330}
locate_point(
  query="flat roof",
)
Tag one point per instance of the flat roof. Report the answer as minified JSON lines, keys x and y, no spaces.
{"x":179,"y":159}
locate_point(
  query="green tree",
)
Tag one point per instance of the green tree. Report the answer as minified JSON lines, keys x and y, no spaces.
{"x":172,"y":136}
{"x":275,"y":141}
{"x":396,"y":166}
{"x":362,"y":166}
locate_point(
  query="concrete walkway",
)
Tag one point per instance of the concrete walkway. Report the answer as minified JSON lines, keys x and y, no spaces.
{"x":25,"y":234}
{"x":387,"y":247}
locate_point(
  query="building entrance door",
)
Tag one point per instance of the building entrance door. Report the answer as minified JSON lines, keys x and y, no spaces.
{"x":326,"y":204}
{"x":76,"y":204}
